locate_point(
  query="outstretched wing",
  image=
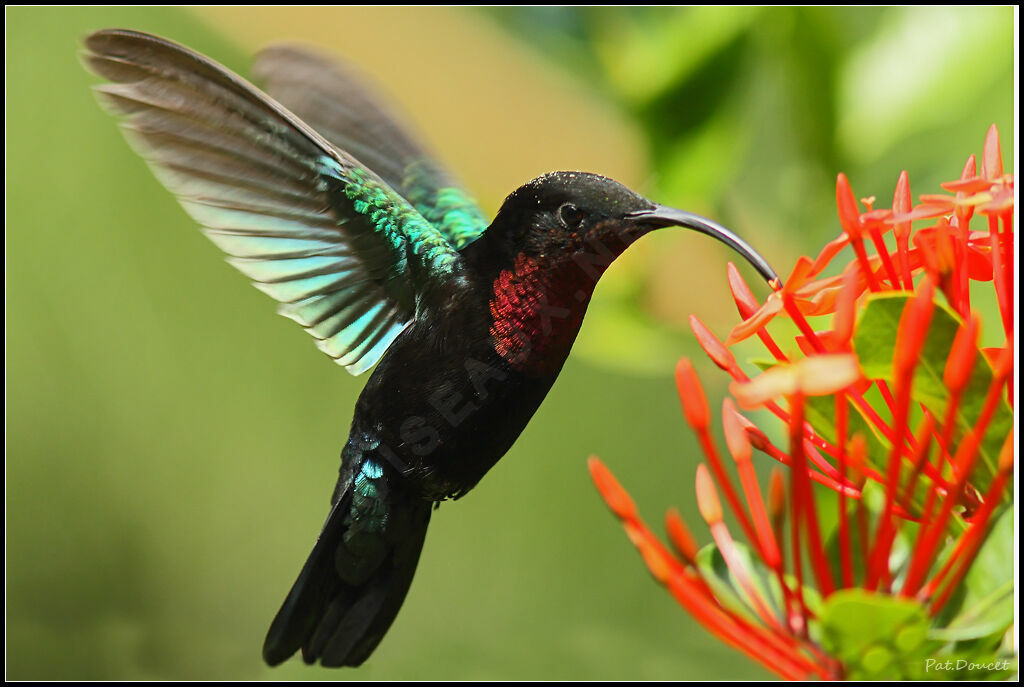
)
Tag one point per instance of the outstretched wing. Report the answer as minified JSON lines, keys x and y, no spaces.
{"x":331,"y":99}
{"x":347,"y":257}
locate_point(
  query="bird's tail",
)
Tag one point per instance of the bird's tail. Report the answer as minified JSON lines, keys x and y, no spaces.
{"x":356,"y":578}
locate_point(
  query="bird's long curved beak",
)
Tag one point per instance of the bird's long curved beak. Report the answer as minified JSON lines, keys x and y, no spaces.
{"x":662,"y":216}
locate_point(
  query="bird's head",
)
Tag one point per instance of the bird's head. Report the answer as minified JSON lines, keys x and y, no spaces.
{"x":589,"y":218}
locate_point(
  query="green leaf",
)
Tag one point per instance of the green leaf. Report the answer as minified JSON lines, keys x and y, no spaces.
{"x":726,"y":587}
{"x":876,"y":636}
{"x":875,"y":344}
{"x":986,"y":605}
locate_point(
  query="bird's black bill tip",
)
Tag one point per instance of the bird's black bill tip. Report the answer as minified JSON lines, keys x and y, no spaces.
{"x":662,"y":216}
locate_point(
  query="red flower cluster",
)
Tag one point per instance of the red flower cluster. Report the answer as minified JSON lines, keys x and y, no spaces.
{"x":849,"y":421}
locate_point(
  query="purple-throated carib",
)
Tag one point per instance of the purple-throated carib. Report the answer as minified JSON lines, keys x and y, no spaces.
{"x":328,"y":206}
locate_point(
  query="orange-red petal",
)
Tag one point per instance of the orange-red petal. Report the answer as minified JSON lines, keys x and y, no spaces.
{"x":818,"y":375}
{"x":715,"y":349}
{"x":761,"y":317}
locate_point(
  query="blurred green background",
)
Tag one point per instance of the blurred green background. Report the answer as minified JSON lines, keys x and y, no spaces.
{"x":171,"y":444}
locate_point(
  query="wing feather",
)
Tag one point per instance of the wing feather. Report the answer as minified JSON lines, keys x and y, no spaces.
{"x":332,"y":99}
{"x":346,"y":255}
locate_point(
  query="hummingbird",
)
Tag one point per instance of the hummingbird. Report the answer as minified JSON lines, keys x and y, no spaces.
{"x":317,"y":194}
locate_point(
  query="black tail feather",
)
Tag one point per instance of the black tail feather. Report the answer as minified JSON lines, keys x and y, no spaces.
{"x":316,"y":590}
{"x":337,"y":622}
{"x":402,"y":571}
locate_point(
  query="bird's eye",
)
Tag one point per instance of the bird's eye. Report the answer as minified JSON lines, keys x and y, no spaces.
{"x":570,"y":216}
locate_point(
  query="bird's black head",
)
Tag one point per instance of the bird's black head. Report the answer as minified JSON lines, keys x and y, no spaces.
{"x":565,"y":214}
{"x":562,"y":213}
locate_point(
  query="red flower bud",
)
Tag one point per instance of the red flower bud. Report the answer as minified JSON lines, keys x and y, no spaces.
{"x":963,"y":355}
{"x":849,"y":215}
{"x":691,"y":395}
{"x":611,"y":491}
{"x":707,"y":497}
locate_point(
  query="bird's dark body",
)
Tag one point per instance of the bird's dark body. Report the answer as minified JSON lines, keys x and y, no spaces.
{"x":444,"y":415}
{"x":330,"y":208}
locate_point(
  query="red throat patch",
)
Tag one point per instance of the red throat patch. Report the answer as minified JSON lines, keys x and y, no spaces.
{"x":536,"y":311}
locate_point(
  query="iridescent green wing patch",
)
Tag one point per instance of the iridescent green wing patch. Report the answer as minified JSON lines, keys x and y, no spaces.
{"x":344,"y":255}
{"x":453,"y":211}
{"x":335,"y":102}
